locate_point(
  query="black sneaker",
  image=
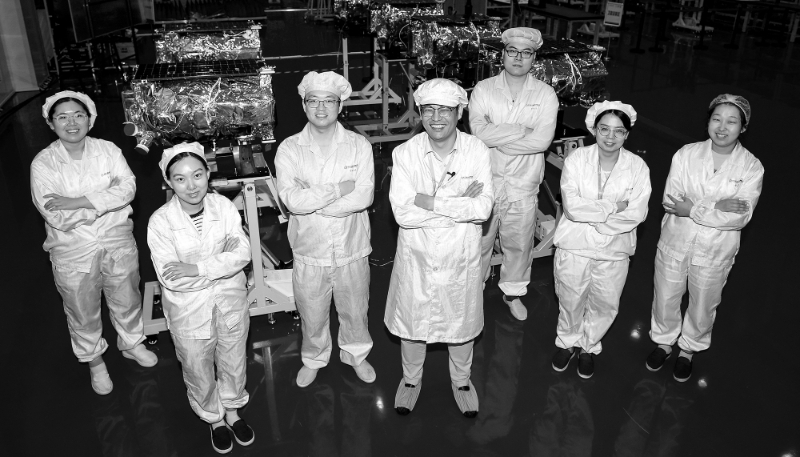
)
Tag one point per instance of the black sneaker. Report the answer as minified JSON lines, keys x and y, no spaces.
{"x":562,"y":357}
{"x":585,"y":365}
{"x":221,"y":440}
{"x":656,"y":359}
{"x":242,"y":432}
{"x":683,"y":369}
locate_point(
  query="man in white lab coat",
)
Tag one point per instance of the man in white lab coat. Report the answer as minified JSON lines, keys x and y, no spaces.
{"x":326,"y":179}
{"x":441,"y":194}
{"x":515,"y":115}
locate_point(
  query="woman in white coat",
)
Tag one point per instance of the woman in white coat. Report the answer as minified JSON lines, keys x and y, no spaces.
{"x":199,"y":249}
{"x":711,"y":192}
{"x":605,"y":191}
{"x":83,"y":188}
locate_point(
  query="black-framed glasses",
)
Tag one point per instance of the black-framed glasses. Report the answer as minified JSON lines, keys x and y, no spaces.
{"x":78,"y":116}
{"x":443,"y":111}
{"x":606,"y":132}
{"x":314,"y":102}
{"x":526,"y":54}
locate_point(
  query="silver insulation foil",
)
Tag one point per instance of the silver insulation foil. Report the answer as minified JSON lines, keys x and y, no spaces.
{"x":388,"y":21}
{"x":173,"y":110}
{"x":176,"y":46}
{"x":438,"y":39}
{"x":575,"y":71}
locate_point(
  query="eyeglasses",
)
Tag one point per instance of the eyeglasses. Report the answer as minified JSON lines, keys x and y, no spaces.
{"x":442,"y":111}
{"x":606,"y":131}
{"x":313,"y":102}
{"x":526,"y":54}
{"x":78,"y":116}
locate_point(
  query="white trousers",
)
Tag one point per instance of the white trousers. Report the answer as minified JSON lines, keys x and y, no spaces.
{"x":118,"y":279}
{"x":588,"y":298}
{"x":210,"y":393}
{"x":515,"y":222}
{"x":348,"y":285}
{"x":413,"y":354}
{"x":705,"y":284}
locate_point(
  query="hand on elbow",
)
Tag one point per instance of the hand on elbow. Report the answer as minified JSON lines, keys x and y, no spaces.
{"x":345,"y":187}
{"x":732,"y":205}
{"x":179,"y":270}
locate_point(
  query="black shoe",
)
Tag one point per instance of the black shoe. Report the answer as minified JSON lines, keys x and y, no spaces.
{"x":585,"y":365}
{"x":242,"y":432}
{"x":221,"y":440}
{"x":656,"y":359}
{"x":683,"y":369}
{"x":562,"y":357}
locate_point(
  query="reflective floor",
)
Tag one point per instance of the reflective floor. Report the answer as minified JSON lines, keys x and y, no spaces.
{"x":742,"y":400}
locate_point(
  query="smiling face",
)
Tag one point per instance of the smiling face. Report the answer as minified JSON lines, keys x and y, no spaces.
{"x":518,"y":65}
{"x":612,"y":141}
{"x":72,"y":131}
{"x":188,"y":177}
{"x":441,"y":123}
{"x":724,"y":128}
{"x":322,"y":116}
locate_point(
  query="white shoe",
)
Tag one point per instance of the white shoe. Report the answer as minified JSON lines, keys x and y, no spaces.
{"x":101,"y":381}
{"x":406,"y":397}
{"x":365,"y":372}
{"x":141,"y":355}
{"x":466,"y":399}
{"x":306,"y":376}
{"x":518,"y":310}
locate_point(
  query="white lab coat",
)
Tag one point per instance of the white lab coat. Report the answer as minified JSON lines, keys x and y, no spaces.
{"x":92,"y":250}
{"x":330,"y":239}
{"x":189,"y":302}
{"x":699,"y":250}
{"x":594,"y":243}
{"x":517,"y":165}
{"x":435,"y":290}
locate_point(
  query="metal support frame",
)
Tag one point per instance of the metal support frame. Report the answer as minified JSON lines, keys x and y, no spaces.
{"x":373,"y":93}
{"x":408,"y":121}
{"x":270,"y":290}
{"x":545,"y":224}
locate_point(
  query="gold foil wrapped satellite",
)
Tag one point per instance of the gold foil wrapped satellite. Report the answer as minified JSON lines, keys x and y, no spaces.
{"x":439,"y":39}
{"x":204,"y":41}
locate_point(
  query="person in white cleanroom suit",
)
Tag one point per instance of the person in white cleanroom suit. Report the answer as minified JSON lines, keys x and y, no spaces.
{"x":711,"y":193}
{"x":605,"y":190}
{"x":441,"y":192}
{"x":515,"y":115}
{"x":326,"y":179}
{"x":198,"y":250}
{"x":83,"y":188}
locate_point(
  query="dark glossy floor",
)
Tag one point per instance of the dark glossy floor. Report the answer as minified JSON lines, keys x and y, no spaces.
{"x":743,"y":399}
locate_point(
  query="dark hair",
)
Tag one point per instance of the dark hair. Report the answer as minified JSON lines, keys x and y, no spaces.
{"x":180,"y":156}
{"x":626,"y":121}
{"x":742,"y":117}
{"x":65,"y":100}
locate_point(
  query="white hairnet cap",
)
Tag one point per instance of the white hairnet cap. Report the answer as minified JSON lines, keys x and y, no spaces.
{"x":51,"y":100}
{"x":522,"y":37}
{"x":736,"y":100}
{"x":440,"y":91}
{"x":327,"y":81}
{"x":170,"y":153}
{"x":599,"y":108}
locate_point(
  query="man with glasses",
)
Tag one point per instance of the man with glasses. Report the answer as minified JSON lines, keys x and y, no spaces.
{"x":515,"y":115}
{"x":326,"y":179}
{"x":441,"y":193}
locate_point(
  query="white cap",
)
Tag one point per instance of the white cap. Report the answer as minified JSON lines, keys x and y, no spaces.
{"x":440,"y":91}
{"x":51,"y":100}
{"x":522,"y":37}
{"x":327,"y":81}
{"x":599,"y":108}
{"x":170,"y":153}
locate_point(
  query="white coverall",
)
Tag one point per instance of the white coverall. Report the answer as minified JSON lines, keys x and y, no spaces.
{"x":594,"y":242}
{"x":701,"y":247}
{"x":435,"y":290}
{"x":92,"y":250}
{"x":330,"y":239}
{"x":207,"y":315}
{"x":517,"y":169}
